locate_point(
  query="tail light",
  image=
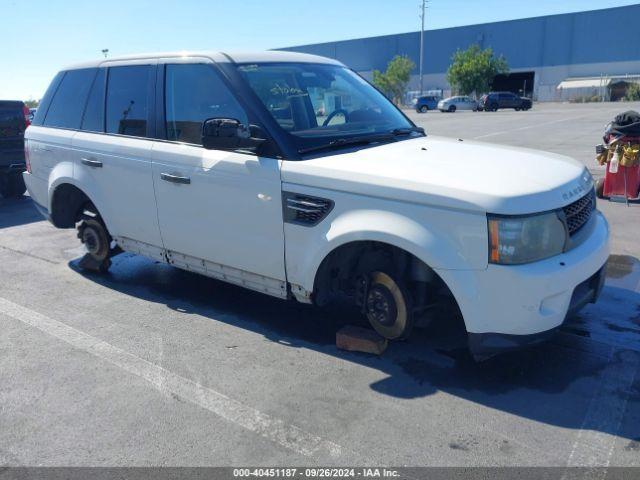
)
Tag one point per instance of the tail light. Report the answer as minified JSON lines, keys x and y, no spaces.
{"x":27,"y":114}
{"x":26,"y":155}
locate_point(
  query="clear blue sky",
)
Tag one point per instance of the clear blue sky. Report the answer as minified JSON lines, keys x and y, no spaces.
{"x":41,"y":36}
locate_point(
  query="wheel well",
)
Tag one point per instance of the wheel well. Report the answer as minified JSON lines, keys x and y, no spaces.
{"x":340,"y":270}
{"x":67,"y":204}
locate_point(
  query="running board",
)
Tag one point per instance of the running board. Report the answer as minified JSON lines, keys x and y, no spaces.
{"x":252,"y":281}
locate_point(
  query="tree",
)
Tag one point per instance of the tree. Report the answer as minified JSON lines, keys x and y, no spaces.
{"x":473,"y":69}
{"x":31,"y":103}
{"x":393,"y":82}
{"x":633,"y":92}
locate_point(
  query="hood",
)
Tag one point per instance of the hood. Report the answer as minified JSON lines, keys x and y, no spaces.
{"x":449,"y":173}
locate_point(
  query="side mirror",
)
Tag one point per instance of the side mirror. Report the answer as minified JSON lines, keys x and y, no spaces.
{"x":229,"y":134}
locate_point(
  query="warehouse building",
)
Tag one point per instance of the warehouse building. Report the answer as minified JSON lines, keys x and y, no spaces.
{"x":552,"y":58}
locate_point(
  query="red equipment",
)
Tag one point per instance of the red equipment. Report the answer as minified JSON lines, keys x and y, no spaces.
{"x":624,"y":184}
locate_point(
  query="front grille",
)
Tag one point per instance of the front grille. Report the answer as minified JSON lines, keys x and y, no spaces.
{"x":579,"y":212}
{"x":305,"y":209}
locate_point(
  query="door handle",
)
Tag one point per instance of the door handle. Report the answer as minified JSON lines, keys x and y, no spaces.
{"x":167,"y":177}
{"x":89,"y":162}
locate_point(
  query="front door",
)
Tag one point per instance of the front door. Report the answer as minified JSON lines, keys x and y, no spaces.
{"x":217,"y":206}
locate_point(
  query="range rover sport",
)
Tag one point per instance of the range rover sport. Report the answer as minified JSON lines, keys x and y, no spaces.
{"x":291,"y":175}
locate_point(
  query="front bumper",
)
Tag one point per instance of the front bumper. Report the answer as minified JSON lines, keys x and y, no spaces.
{"x":484,"y":345}
{"x":508,"y":301}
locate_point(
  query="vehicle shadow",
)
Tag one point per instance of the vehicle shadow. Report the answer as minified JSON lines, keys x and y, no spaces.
{"x":552,"y":383}
{"x":18,"y":211}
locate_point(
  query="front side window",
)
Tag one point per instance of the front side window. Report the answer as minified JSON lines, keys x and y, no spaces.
{"x":128,"y":100}
{"x":319,"y":103}
{"x":194,"y":93}
{"x":69,"y":99}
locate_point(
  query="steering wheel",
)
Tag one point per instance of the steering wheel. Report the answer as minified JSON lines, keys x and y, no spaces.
{"x":334,"y":113}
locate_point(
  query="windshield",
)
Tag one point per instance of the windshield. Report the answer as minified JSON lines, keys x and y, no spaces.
{"x":317,"y":103}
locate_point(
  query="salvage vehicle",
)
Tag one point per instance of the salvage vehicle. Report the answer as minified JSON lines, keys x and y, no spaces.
{"x":424,"y":104}
{"x":14,"y":120}
{"x":219,"y":164}
{"x":493,"y":101}
{"x":452,"y":104}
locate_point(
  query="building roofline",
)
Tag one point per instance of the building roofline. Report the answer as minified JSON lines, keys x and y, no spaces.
{"x":487,"y":24}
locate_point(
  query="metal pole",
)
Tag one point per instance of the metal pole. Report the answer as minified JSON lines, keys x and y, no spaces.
{"x":422,"y":47}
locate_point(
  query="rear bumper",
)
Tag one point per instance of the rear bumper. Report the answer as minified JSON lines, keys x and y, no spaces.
{"x":12,"y":160}
{"x":38,"y":191}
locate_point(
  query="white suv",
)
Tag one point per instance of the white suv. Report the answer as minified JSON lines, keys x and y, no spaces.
{"x":291,"y":175}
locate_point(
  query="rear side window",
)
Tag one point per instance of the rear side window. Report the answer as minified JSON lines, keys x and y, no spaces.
{"x":194,"y":93}
{"x":70,"y":98}
{"x":128,"y":91}
{"x":43,"y":106}
{"x":93,"y":120}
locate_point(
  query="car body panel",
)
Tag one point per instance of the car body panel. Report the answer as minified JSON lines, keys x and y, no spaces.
{"x":428,"y":196}
{"x":447,"y":173}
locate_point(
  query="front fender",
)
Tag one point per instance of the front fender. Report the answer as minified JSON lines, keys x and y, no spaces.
{"x":442,"y":239}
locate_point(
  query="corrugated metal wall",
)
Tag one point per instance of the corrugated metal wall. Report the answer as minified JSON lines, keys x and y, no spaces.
{"x":600,"y":36}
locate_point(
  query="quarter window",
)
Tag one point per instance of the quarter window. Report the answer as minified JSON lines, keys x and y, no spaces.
{"x":69,"y":100}
{"x":194,"y":92}
{"x":46,"y":100}
{"x":128,"y":100}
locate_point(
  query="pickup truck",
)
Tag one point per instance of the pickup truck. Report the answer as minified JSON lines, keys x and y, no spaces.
{"x":14,"y":120}
{"x":291,"y":175}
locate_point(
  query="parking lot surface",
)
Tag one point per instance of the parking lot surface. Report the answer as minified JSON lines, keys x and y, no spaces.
{"x":151,"y":365}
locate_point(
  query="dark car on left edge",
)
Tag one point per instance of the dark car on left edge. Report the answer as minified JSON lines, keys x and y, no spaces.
{"x":14,"y":120}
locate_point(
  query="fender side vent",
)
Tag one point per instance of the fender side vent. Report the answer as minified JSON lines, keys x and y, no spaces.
{"x":304,"y":209}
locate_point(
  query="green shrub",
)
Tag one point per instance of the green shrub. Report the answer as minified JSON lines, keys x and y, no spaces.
{"x":633,"y":93}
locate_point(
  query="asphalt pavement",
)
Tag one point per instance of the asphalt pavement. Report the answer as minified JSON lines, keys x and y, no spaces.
{"x":153,"y":366}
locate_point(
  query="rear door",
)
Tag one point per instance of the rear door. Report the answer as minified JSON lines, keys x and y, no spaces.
{"x":12,"y":127}
{"x":113,"y":150}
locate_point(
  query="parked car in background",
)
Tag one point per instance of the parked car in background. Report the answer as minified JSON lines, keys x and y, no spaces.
{"x":214,"y":170}
{"x":14,"y":120}
{"x":452,"y":104}
{"x":32,"y":113}
{"x":424,"y":104}
{"x":493,"y":101}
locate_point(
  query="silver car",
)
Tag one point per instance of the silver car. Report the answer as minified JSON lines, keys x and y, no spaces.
{"x":452,"y":104}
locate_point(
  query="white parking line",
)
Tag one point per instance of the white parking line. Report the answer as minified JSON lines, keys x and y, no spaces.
{"x":526,"y":127}
{"x":274,"y":429}
{"x":560,"y":120}
{"x":597,"y":436}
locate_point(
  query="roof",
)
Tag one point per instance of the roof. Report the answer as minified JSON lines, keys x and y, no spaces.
{"x":220,"y":57}
{"x":595,"y":82}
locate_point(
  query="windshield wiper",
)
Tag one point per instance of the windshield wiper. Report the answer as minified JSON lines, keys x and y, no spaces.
{"x":344,"y":142}
{"x":407,"y":131}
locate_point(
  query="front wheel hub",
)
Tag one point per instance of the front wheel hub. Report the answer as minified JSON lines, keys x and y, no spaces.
{"x":91,"y":240}
{"x":381,"y":306}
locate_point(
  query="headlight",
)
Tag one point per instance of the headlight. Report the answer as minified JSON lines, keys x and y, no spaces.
{"x":516,"y":240}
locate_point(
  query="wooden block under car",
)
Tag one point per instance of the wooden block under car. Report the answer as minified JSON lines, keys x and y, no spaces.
{"x":358,"y":339}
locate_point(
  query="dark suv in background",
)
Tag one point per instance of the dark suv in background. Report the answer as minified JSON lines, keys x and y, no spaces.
{"x":492,"y":101}
{"x":14,"y":120}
